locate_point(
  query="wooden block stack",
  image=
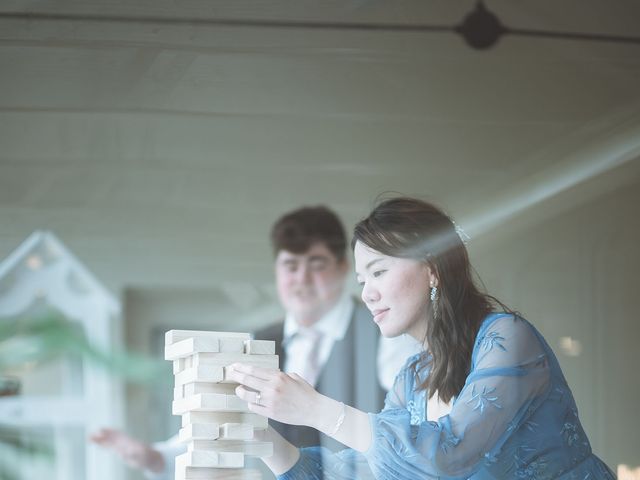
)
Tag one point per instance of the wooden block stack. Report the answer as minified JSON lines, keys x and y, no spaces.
{"x":217,"y":426}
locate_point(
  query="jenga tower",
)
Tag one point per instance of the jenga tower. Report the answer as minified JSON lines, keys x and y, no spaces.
{"x":217,"y":426}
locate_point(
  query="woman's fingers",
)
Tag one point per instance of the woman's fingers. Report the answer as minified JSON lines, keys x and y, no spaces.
{"x":254,"y":371}
{"x":272,"y":393}
{"x":248,"y":395}
{"x":255,"y":378}
{"x":252,"y":397}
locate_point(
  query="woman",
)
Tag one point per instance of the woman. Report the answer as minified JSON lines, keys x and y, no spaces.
{"x":508,"y":412}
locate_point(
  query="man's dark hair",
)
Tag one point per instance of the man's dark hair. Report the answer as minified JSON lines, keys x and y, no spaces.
{"x":298,"y":230}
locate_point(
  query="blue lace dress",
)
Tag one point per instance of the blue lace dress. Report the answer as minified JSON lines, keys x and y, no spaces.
{"x":515,"y":418}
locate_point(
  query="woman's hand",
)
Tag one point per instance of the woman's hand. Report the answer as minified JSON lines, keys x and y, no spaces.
{"x":288,"y":398}
{"x":285,"y":397}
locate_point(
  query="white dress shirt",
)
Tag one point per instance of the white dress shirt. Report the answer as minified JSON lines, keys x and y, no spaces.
{"x":332,"y":327}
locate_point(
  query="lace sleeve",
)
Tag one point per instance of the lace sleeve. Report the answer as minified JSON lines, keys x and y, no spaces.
{"x":316,"y":463}
{"x":509,"y":369}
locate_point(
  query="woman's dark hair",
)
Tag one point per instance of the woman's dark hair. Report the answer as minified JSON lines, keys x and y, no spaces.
{"x":411,"y":228}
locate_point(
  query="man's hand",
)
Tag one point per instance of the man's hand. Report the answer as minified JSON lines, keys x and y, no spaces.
{"x":134,"y":452}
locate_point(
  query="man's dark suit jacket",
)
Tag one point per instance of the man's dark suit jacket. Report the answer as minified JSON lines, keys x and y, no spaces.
{"x":350,"y":374}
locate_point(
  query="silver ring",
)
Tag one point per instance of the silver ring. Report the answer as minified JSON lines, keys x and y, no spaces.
{"x":258,"y":396}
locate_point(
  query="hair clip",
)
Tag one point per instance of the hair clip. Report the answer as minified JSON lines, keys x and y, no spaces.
{"x":461,"y":233}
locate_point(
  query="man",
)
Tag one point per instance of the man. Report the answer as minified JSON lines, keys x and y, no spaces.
{"x":327,"y":336}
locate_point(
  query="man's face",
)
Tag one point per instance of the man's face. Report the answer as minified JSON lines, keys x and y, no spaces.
{"x":309,"y":283}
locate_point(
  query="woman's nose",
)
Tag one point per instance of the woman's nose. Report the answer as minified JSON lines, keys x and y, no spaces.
{"x":369,"y":294}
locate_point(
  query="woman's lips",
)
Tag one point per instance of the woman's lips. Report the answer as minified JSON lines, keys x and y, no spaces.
{"x":379,"y":314}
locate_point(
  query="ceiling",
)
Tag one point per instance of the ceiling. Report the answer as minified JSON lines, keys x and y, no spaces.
{"x":159,"y":145}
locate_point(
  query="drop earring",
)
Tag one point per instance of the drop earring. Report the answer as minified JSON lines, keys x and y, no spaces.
{"x":433,"y":294}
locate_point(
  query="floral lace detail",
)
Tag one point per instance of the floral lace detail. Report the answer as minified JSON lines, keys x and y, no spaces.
{"x":490,"y":458}
{"x":519,"y":400}
{"x":536,"y":470}
{"x":570,"y":433}
{"x":588,"y":476}
{"x":558,"y":394}
{"x":574,"y":436}
{"x":518,"y":461}
{"x":483,"y":399}
{"x":416,"y":410}
{"x":512,"y":425}
{"x":491,"y":340}
{"x":450,"y":441}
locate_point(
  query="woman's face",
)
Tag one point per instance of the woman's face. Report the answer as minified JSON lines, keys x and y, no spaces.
{"x":396,"y":291}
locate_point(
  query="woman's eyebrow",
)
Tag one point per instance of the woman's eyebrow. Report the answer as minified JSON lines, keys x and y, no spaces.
{"x":372,"y":262}
{"x":368,"y":265}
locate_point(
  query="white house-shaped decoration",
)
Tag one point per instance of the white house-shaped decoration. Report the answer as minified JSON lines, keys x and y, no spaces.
{"x":73,"y":399}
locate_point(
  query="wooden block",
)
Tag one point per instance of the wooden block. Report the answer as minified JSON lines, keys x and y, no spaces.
{"x":231,"y":345}
{"x":189,"y":346}
{"x":178,"y":392}
{"x":248,"y":448}
{"x":178,"y":365}
{"x":174,"y":336}
{"x":209,"y":402}
{"x":259,"y":347}
{"x":219,"y":418}
{"x":214,"y":431}
{"x":206,"y":387}
{"x":236,"y":431}
{"x":224,"y":359}
{"x":211,"y":374}
{"x":234,"y":403}
{"x":204,"y":458}
{"x":200,"y":431}
{"x":193,"y":473}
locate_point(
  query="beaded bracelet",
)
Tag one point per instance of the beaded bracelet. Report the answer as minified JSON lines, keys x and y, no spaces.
{"x":340,"y":420}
